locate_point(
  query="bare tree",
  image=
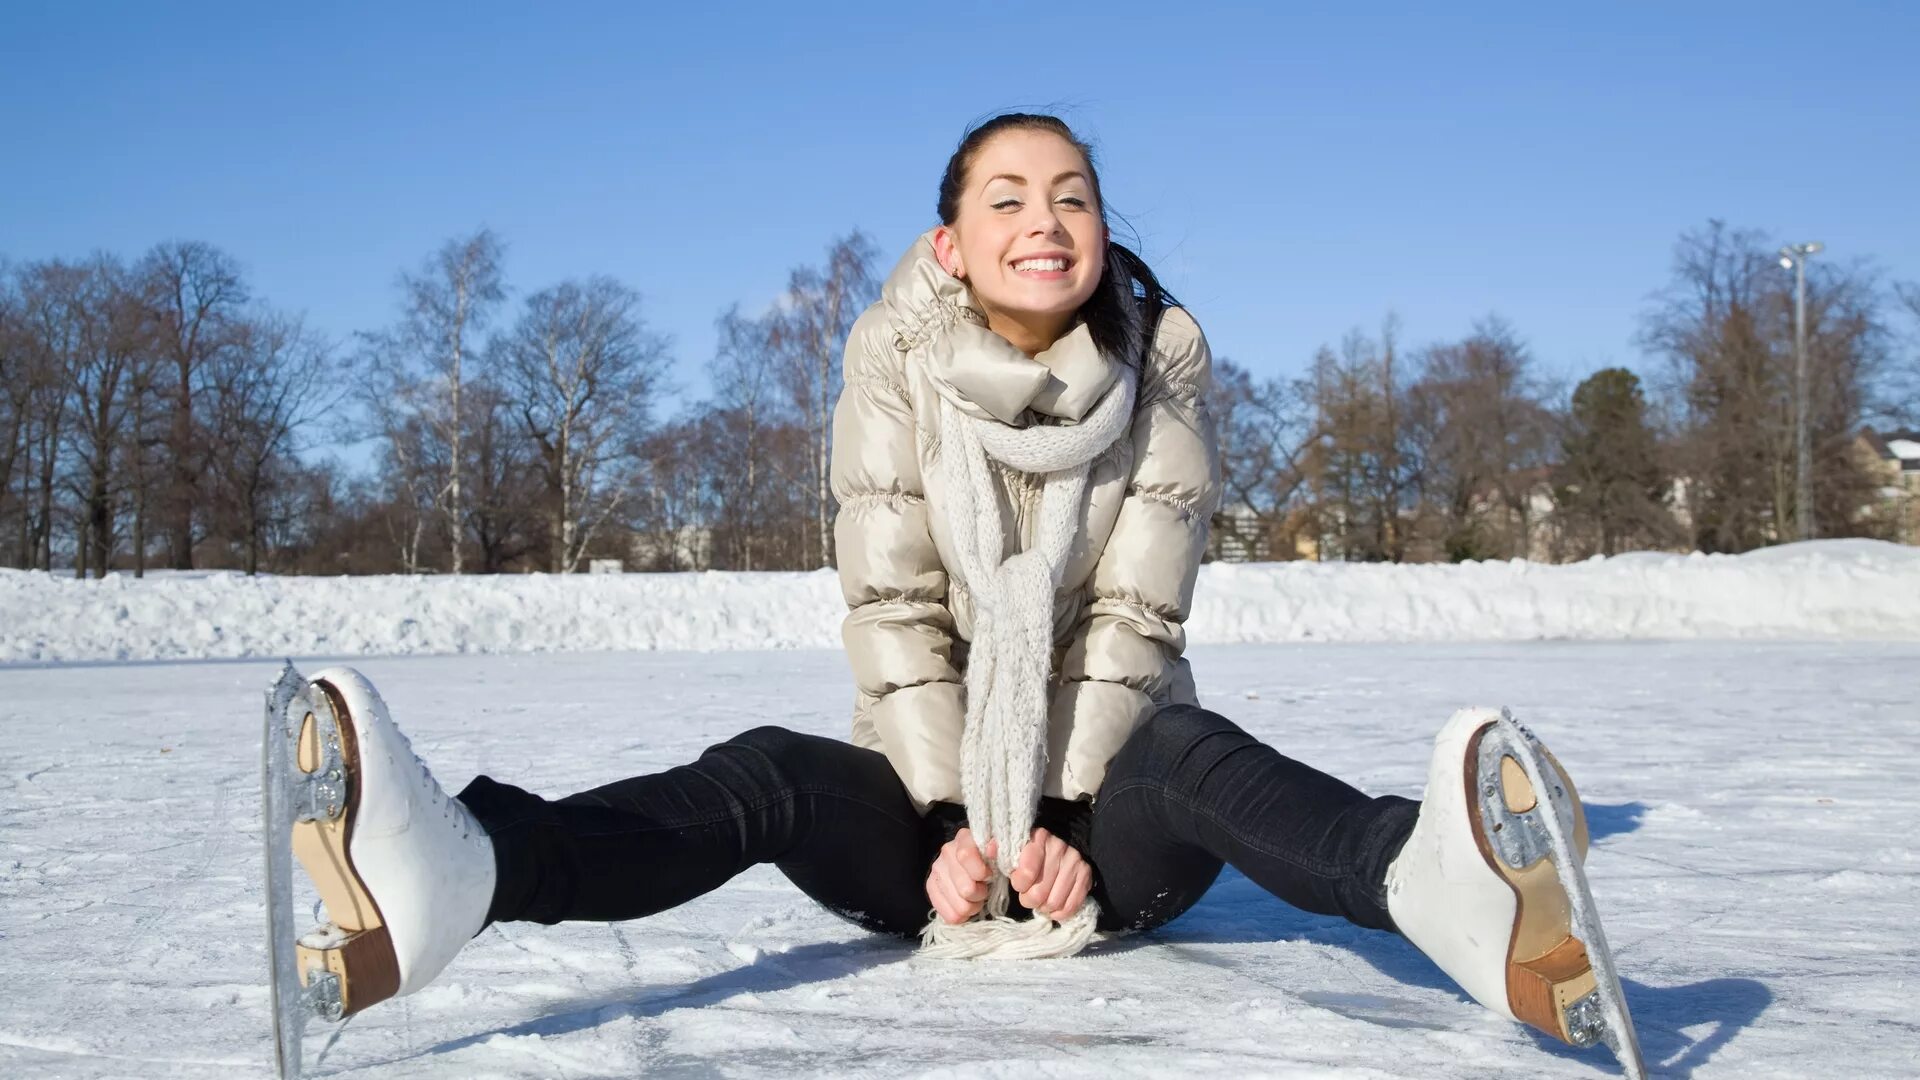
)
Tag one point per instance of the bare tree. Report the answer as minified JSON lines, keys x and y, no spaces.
{"x":264,"y":391}
{"x":106,"y":348}
{"x":197,"y":293}
{"x":821,"y":304}
{"x":673,"y":489}
{"x":1901,"y":393}
{"x":1266,"y":435}
{"x":408,"y":479}
{"x":445,"y":305}
{"x":1725,"y":326}
{"x":144,"y":458}
{"x":49,"y":338}
{"x":581,"y":367}
{"x":744,"y":377}
{"x":1485,"y":438}
{"x":17,"y":364}
{"x":503,"y":509}
{"x":1361,"y":467}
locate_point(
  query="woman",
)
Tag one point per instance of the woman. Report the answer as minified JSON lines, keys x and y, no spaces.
{"x":1025,"y":471}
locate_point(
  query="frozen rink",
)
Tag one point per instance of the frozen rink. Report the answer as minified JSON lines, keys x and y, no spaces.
{"x":1752,"y":804}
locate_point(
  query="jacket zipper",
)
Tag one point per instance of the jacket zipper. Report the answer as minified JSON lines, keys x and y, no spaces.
{"x":1026,"y":504}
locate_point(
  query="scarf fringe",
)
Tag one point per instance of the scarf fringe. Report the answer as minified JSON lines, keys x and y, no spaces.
{"x":997,"y":937}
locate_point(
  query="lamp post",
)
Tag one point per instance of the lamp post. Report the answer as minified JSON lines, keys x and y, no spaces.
{"x":1794,"y":257}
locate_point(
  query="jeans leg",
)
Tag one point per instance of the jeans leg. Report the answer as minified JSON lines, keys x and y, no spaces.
{"x":832,"y":816}
{"x":1191,"y":790}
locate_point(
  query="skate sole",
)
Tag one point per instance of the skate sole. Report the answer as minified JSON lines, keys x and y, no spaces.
{"x":1548,"y":968}
{"x":356,"y":948}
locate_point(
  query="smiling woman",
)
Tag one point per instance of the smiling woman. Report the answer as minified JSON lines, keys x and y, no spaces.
{"x":1025,"y":469}
{"x":993,"y":215}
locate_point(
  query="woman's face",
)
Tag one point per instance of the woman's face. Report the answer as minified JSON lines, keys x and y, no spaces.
{"x":1028,"y":238}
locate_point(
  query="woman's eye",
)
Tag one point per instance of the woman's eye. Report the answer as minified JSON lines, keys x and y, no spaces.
{"x":1075,"y":201}
{"x":1005,"y":203}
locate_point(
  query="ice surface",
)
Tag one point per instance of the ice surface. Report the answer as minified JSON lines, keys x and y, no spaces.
{"x":1752,"y":806}
{"x":1823,"y":589}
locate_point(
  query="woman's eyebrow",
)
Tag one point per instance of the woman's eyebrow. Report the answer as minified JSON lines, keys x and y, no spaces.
{"x":1022,"y":180}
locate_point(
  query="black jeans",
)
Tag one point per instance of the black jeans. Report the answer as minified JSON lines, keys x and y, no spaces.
{"x":1188,"y":792}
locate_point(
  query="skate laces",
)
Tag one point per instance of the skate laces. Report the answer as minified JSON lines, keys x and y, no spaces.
{"x":439,"y":796}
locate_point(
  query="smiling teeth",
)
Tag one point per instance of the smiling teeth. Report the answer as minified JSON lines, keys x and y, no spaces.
{"x":1041,"y":264}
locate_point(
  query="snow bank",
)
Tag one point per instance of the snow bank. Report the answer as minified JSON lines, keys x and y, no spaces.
{"x":1845,"y":589}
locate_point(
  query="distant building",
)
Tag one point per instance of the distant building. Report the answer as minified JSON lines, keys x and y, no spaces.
{"x":689,"y":547}
{"x":1893,"y":460}
{"x":1534,"y":534}
{"x":1237,"y":535}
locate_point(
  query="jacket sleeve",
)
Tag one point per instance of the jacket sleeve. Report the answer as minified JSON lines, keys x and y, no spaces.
{"x":899,"y":634}
{"x":1124,"y":656}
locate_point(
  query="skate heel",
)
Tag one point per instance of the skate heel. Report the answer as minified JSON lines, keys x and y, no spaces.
{"x":1550,"y":979}
{"x":345,"y":971}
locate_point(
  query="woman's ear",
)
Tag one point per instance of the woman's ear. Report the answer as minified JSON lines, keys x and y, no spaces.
{"x":946,"y":248}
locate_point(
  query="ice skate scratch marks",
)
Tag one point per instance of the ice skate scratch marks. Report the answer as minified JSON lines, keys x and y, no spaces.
{"x":627,"y":955}
{"x":62,"y":1046}
{"x":543,"y":954}
{"x":209,"y":847}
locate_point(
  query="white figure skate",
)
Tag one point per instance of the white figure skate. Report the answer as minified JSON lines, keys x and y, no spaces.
{"x":405,"y":872}
{"x":1490,"y":885}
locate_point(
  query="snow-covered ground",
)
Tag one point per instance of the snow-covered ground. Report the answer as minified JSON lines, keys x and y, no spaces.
{"x":1848,"y":589}
{"x":1753,"y":806}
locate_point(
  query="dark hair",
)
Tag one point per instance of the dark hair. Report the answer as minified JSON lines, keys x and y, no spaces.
{"x":1122,"y":312}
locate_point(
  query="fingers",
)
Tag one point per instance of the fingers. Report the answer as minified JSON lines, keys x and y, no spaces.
{"x":957,"y":883}
{"x":950,"y":908}
{"x":963,"y":884}
{"x":1051,"y":877}
{"x":1026,"y":872}
{"x":1054,"y":852}
{"x":966,"y":856}
{"x":1071,"y":873}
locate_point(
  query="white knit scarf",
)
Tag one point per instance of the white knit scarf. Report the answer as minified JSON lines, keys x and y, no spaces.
{"x":1003,"y":751}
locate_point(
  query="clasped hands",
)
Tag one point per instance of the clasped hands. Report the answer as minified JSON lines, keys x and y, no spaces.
{"x":1051,"y":878}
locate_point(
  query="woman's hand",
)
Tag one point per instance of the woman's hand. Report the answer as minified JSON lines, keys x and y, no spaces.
{"x":1051,"y":878}
{"x":957,"y":885}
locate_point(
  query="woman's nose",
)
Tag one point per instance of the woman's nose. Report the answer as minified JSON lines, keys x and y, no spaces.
{"x":1045,"y":222}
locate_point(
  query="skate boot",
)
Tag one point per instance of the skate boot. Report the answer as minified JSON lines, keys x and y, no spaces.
{"x":1490,"y":886}
{"x":405,"y":871}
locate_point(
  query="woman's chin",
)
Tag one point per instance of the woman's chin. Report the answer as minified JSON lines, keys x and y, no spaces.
{"x":1038,"y":304}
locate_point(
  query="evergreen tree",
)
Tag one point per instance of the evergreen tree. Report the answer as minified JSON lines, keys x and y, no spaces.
{"x":1610,"y":481}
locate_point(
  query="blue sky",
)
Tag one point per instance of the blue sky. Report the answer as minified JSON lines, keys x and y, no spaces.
{"x":1293,"y":171}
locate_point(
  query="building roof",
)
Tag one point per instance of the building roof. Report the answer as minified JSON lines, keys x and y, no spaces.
{"x":1901,"y":446}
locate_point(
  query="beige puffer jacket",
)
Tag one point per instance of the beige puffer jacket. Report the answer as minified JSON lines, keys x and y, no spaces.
{"x":1129,"y":577}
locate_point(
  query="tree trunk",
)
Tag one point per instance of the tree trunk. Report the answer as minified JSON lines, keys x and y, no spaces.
{"x":100,"y":521}
{"x":253,"y":534}
{"x":140,"y":524}
{"x":454,"y":515}
{"x":180,"y":502}
{"x":46,"y":507}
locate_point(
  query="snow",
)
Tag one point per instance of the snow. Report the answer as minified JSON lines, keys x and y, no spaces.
{"x":1835,"y":589}
{"x":1742,"y":730}
{"x":1752,"y":805}
{"x":1904,"y":449}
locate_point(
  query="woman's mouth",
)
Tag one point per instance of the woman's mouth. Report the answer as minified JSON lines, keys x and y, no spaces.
{"x":1044,"y":268}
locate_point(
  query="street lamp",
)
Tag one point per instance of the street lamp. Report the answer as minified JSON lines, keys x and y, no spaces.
{"x":1794,"y":257}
